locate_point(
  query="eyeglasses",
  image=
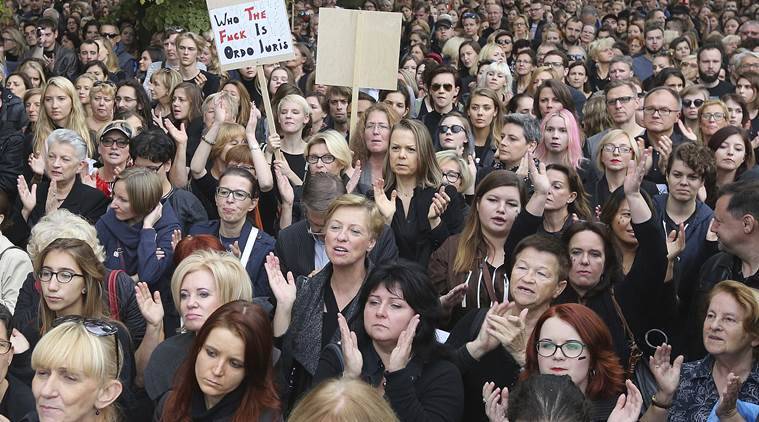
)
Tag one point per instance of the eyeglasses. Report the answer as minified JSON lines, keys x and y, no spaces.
{"x":108,"y":142}
{"x":623,"y":149}
{"x":695,"y":103}
{"x":577,"y":57}
{"x":453,"y":128}
{"x":237,"y":195}
{"x":377,"y":126}
{"x":318,"y":236}
{"x":326,"y":159}
{"x":65,"y":276}
{"x":452,"y":176}
{"x":5,"y":346}
{"x":110,"y":35}
{"x":571,"y":349}
{"x":663,"y":112}
{"x":553,"y":64}
{"x":624,"y":100}
{"x":446,"y":87}
{"x":713,"y":116}
{"x":96,"y":327}
{"x":503,"y":41}
{"x":154,"y":169}
{"x":105,"y":82}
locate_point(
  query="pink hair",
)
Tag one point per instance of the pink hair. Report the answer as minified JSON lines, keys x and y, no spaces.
{"x":574,"y":147}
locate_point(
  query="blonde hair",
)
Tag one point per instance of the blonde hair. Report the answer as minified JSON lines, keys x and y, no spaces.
{"x":169,"y":78}
{"x":598,"y":45}
{"x":143,"y":187}
{"x":102,"y":88}
{"x":610,"y":137}
{"x":343,"y":400}
{"x":231,"y":280}
{"x":231,"y":103}
{"x":37,"y":67}
{"x":228,"y":131}
{"x":335,"y":143}
{"x":77,"y":119}
{"x":298,"y":100}
{"x":450,"y":49}
{"x":200,"y":42}
{"x":110,"y":61}
{"x":451,"y":155}
{"x":376,"y":220}
{"x":59,"y":224}
{"x":487,"y":49}
{"x":70,"y":345}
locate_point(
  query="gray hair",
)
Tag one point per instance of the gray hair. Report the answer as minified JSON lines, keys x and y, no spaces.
{"x":62,"y":223}
{"x":622,"y":59}
{"x":530,"y":125}
{"x":68,"y":137}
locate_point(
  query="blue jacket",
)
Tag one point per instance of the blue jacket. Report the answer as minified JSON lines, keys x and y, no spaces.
{"x":642,"y":67}
{"x":133,"y":249}
{"x":255,"y":266}
{"x":696,"y":251}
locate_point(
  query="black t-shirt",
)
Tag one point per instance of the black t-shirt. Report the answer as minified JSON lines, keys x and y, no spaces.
{"x":212,"y":83}
{"x":721,"y":89}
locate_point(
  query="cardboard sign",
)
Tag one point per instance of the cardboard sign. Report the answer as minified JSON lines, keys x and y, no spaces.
{"x":358,"y":48}
{"x":250,"y":33}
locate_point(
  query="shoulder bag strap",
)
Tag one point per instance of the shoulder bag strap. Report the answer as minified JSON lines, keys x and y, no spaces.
{"x":248,"y":246}
{"x":489,"y":287}
{"x":113,"y":296}
{"x":635,"y":353}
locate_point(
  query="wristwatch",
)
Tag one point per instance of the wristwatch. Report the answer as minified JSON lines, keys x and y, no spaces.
{"x":204,"y":139}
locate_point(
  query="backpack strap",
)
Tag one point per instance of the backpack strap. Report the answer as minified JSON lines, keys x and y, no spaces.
{"x":113,"y":297}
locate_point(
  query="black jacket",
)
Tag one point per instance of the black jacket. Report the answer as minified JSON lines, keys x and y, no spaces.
{"x":11,"y":155}
{"x":13,"y":111}
{"x":295,"y":249}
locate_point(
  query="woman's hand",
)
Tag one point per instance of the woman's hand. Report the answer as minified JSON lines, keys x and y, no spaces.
{"x":354,"y":176}
{"x":283,"y":288}
{"x":275,"y":142}
{"x":524,"y":166}
{"x":200,"y":80}
{"x":151,"y":307}
{"x":250,"y":126}
{"x":235,"y":249}
{"x":386,"y":205}
{"x":538,"y":176}
{"x":176,"y":237}
{"x":454,"y":297}
{"x":286,"y":192}
{"x":179,"y":135}
{"x":88,"y":178}
{"x":635,"y":173}
{"x":158,"y":119}
{"x":37,"y":164}
{"x":686,"y":131}
{"x":666,"y":374}
{"x":401,"y":354}
{"x":510,"y":330}
{"x":496,"y":402}
{"x":220,"y":111}
{"x":19,"y":342}
{"x":440,"y":202}
{"x":353,"y":361}
{"x":628,"y":406}
{"x":675,"y":243}
{"x":728,"y":397}
{"x":149,"y":221}
{"x":485,"y":342}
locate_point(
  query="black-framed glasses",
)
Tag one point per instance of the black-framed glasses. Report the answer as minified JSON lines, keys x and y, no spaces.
{"x":624,"y":100}
{"x":713,"y":116}
{"x":95,"y":326}
{"x":110,"y":35}
{"x":571,"y":349}
{"x":63,"y":276}
{"x":503,"y":41}
{"x":610,"y":148}
{"x":5,"y":346}
{"x":452,"y":176}
{"x":696,"y":103}
{"x":108,"y":142}
{"x":453,"y":128}
{"x":326,"y":159}
{"x":663,"y":112}
{"x":154,"y":169}
{"x":237,"y":195}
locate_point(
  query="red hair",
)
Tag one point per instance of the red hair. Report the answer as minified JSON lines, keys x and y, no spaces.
{"x":606,"y":378}
{"x":251,"y":323}
{"x":190,"y":244}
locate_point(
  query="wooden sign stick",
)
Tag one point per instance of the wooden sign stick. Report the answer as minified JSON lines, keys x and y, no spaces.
{"x":356,"y":72}
{"x":270,"y":120}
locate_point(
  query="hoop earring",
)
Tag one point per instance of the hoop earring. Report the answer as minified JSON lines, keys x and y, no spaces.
{"x":97,"y":412}
{"x":84,"y":291}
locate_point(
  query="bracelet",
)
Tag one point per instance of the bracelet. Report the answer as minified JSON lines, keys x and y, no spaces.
{"x":204,"y":139}
{"x":659,"y":405}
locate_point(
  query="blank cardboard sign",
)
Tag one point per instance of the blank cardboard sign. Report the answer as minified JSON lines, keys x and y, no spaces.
{"x":376,"y":36}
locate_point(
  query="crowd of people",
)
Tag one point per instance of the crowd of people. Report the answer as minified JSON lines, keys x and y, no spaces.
{"x":554,"y":216}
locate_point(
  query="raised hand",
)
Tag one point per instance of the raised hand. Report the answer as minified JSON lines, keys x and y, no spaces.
{"x":686,"y":131}
{"x":275,"y":142}
{"x":151,"y":307}
{"x":286,"y":192}
{"x":524,"y":166}
{"x":250,"y":126}
{"x":88,"y":178}
{"x":200,"y":80}
{"x":176,"y":237}
{"x":635,"y":173}
{"x":496,"y":402}
{"x":666,"y":374}
{"x":355,"y":175}
{"x":628,"y":405}
{"x":401,"y":354}
{"x":37,"y":164}
{"x":28,"y":198}
{"x":675,"y":242}
{"x":728,"y":397}
{"x":149,"y":221}
{"x":454,"y":296}
{"x":440,"y":202}
{"x":220,"y":111}
{"x":538,"y":176}
{"x":354,"y":362}
{"x":19,"y":342}
{"x":158,"y":120}
{"x":386,"y":205}
{"x":665,"y":149}
{"x":283,"y":288}
{"x":179,"y":135}
{"x":235,"y":249}
{"x":51,"y":202}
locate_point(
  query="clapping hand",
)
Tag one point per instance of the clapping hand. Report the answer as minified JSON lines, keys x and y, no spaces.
{"x":628,"y":405}
{"x":179,"y":135}
{"x":496,"y":402}
{"x":28,"y":198}
{"x":635,"y":173}
{"x":454,"y":296}
{"x":151,"y":307}
{"x":675,"y":242}
{"x":353,"y":361}
{"x":401,"y":354}
{"x":538,"y":176}
{"x":36,"y":163}
{"x":666,"y":374}
{"x":284,"y":289}
{"x":510,"y":331}
{"x":355,"y":176}
{"x":176,"y":237}
{"x":386,"y":205}
{"x":728,"y":397}
{"x":440,"y":202}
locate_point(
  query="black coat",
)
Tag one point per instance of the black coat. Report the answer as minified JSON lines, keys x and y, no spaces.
{"x":295,"y":249}
{"x":11,"y":155}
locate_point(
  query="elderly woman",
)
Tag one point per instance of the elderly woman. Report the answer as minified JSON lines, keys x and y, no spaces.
{"x":352,"y":225}
{"x":102,"y":105}
{"x":601,"y":53}
{"x":114,"y":155}
{"x":65,"y":158}
{"x":727,"y":379}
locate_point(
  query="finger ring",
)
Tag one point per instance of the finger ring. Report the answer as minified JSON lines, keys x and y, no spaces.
{"x":484,"y":400}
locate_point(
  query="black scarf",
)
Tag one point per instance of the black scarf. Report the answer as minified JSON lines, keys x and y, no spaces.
{"x":222,"y":411}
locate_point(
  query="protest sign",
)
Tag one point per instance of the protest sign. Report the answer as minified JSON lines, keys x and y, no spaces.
{"x":358,"y":49}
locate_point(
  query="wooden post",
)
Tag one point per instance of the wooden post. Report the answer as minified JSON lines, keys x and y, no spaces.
{"x":356,"y":72}
{"x":270,"y":119}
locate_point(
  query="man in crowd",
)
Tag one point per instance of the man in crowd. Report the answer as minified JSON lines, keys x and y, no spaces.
{"x":127,"y":63}
{"x":654,"y":41}
{"x":58,"y":60}
{"x":709,"y":66}
{"x":621,"y":104}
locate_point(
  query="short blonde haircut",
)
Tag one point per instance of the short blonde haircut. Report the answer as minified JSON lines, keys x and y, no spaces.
{"x":450,"y":49}
{"x":200,"y":42}
{"x":62,"y":223}
{"x":103,"y":88}
{"x":450,"y":155}
{"x":228,"y":131}
{"x":598,"y":45}
{"x":487,"y":49}
{"x":71,"y":346}
{"x":376,"y":220}
{"x":143,"y":187}
{"x":343,"y":400}
{"x":336,"y":146}
{"x":169,"y":78}
{"x":231,"y":103}
{"x":232,"y":280}
{"x":747,"y":298}
{"x":298,"y":100}
{"x":610,"y":137}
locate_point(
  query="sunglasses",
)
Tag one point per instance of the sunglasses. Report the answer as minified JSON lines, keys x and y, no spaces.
{"x":95,"y":326}
{"x":121,"y":143}
{"x":446,"y":87}
{"x":110,"y":35}
{"x":695,"y":103}
{"x":453,"y":128}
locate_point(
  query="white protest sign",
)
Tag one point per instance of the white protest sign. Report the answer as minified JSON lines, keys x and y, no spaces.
{"x":250,"y":33}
